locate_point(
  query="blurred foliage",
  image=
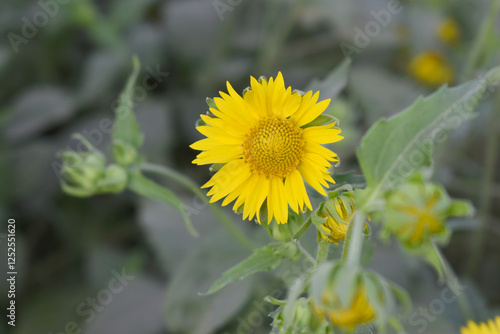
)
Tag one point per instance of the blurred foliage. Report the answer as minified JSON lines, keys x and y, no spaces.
{"x":62,"y":72}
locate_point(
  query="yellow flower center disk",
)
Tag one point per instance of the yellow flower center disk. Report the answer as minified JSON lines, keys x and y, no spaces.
{"x":273,"y":147}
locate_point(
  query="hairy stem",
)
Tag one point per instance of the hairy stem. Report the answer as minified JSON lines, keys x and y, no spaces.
{"x":353,"y":244}
{"x":322,"y":254}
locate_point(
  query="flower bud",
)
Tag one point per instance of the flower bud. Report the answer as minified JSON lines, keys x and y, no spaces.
{"x":114,"y":180}
{"x":304,"y":320}
{"x":85,"y":173}
{"x":124,"y":154}
{"x":416,"y":213}
{"x":350,"y":297}
{"x":339,"y":296}
{"x":338,"y":210}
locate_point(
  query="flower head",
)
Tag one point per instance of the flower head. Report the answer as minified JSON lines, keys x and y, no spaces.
{"x":267,"y":148}
{"x":449,"y":32}
{"x":491,"y":327}
{"x":432,"y":69}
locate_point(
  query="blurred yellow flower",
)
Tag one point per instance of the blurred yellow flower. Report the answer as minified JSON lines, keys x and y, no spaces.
{"x":425,"y":222}
{"x":266,"y":149}
{"x":416,"y":212}
{"x":448,"y":31}
{"x":358,"y":313}
{"x":492,"y":327}
{"x":432,"y":69}
{"x":338,"y":211}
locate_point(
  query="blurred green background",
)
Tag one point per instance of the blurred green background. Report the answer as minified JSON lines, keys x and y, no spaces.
{"x":62,"y":66}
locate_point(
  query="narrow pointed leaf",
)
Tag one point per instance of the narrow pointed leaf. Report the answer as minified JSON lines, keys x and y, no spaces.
{"x":263,"y":259}
{"x":126,"y":131}
{"x":147,"y":188}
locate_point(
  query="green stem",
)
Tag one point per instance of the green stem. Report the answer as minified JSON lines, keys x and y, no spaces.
{"x":452,"y":281}
{"x":193,"y":187}
{"x":322,"y":254}
{"x":492,"y":148}
{"x":481,"y":38}
{"x":304,"y":251}
{"x":353,"y":244}
{"x":302,"y":229}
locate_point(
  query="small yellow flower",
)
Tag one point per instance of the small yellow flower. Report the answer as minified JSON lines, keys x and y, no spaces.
{"x":432,"y":69}
{"x":337,"y":221}
{"x":448,"y":31}
{"x":358,"y":313}
{"x":492,"y":327}
{"x":266,"y":149}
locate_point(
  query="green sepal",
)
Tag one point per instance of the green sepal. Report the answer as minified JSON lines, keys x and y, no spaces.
{"x":215,"y":167}
{"x":211,"y":103}
{"x":323,"y":119}
{"x":461,"y":208}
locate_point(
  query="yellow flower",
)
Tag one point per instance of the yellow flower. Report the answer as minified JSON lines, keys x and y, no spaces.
{"x":448,"y":31}
{"x":358,"y":313}
{"x":338,"y":221}
{"x":432,"y":69}
{"x":492,"y":327}
{"x":266,"y":149}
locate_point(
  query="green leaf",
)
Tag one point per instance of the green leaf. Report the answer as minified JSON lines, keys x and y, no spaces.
{"x":393,"y":149}
{"x":263,"y":259}
{"x":127,"y":135}
{"x":147,"y":188}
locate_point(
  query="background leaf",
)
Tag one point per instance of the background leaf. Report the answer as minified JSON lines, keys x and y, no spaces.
{"x":188,"y":312}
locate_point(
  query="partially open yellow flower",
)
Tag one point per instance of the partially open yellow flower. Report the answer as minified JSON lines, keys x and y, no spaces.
{"x":358,"y":313}
{"x":338,"y":211}
{"x":266,"y":149}
{"x":432,"y":69}
{"x":491,"y":327}
{"x":417,"y":212}
{"x":449,"y":32}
